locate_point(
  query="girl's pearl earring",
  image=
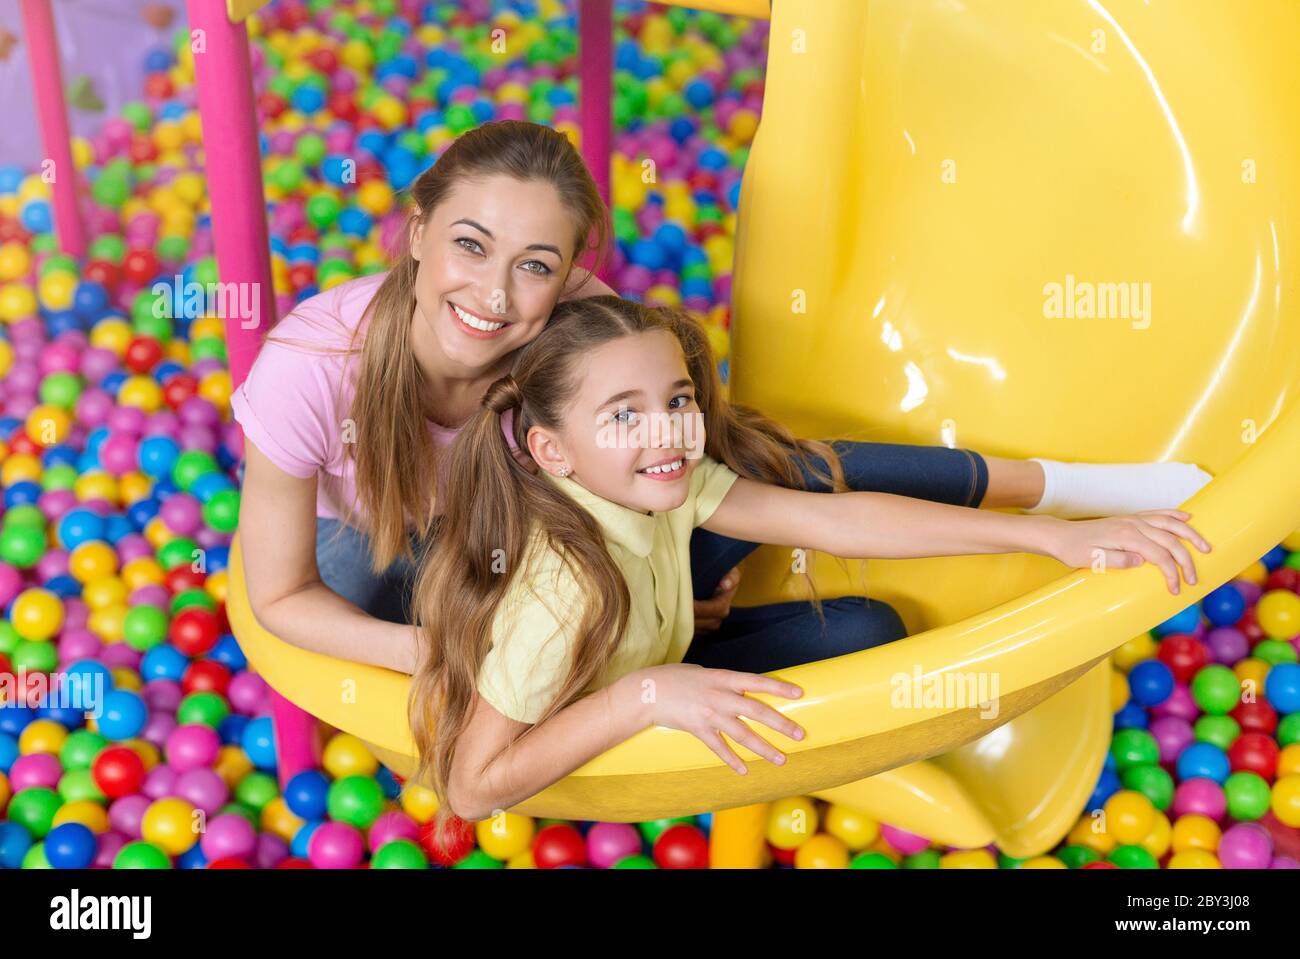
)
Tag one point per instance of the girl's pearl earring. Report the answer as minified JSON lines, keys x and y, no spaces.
{"x":565,"y":470}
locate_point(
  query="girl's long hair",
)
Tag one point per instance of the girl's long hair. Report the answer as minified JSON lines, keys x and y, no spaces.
{"x":494,"y":499}
{"x":394,"y":455}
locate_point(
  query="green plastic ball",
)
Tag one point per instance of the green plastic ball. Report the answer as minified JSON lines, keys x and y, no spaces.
{"x":1275,"y":651}
{"x":191,"y":598}
{"x":399,"y":854}
{"x":80,"y":749}
{"x":177,"y":552}
{"x":1288,"y":730}
{"x":77,"y":785}
{"x":925,"y":859}
{"x":22,"y":546}
{"x":1076,"y":857}
{"x":1151,"y":781}
{"x":323,"y":210}
{"x":256,"y":790}
{"x":1133,"y":857}
{"x":1248,"y":796}
{"x":1134,"y":747}
{"x":145,"y":627}
{"x":35,"y":858}
{"x":141,"y":855}
{"x":221,"y":511}
{"x":59,"y":476}
{"x":652,"y":829}
{"x":1216,"y":690}
{"x":190,"y":465}
{"x":635,"y":861}
{"x":478,"y":859}
{"x":108,"y":246}
{"x":872,"y":860}
{"x":1221,"y":731}
{"x":206,"y":708}
{"x":356,"y":800}
{"x":34,"y":809}
{"x":35,"y":657}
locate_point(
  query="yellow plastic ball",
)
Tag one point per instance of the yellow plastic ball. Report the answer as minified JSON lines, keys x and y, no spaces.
{"x":217,"y":585}
{"x":109,"y":623}
{"x":743,"y":125}
{"x":1119,"y":691}
{"x":15,"y":261}
{"x":822,"y":851}
{"x":1195,"y":831}
{"x":719,"y":341}
{"x":278,"y":818}
{"x":124,"y":677}
{"x":96,"y":485}
{"x":105,"y":591}
{"x":1086,"y":833}
{"x":92,"y":560}
{"x":215,"y":388}
{"x":85,"y":811}
{"x":1286,"y":800}
{"x":232,"y":765}
{"x":20,"y":467}
{"x":37,"y":614}
{"x":171,"y":825}
{"x":1288,"y":761}
{"x":157,"y":533}
{"x":1194,"y":859}
{"x":375,"y":197}
{"x":856,"y":830}
{"x":56,"y":288}
{"x":1278,"y":613}
{"x":134,"y":486}
{"x":346,"y":755}
{"x":111,"y":334}
{"x":17,"y":302}
{"x":968,"y":859}
{"x":142,"y":571}
{"x":791,"y":822}
{"x":1129,"y":816}
{"x":522,"y":861}
{"x":1043,"y":862}
{"x":1157,"y":841}
{"x":48,"y":425}
{"x":6,"y":358}
{"x":663,"y":295}
{"x":5,"y":790}
{"x":1133,"y":652}
{"x":505,"y":835}
{"x":1256,"y":573}
{"x":207,"y":327}
{"x":419,"y":802}
{"x":42,"y":736}
{"x":1251,"y":670}
{"x":146,"y":750}
{"x":142,"y":392}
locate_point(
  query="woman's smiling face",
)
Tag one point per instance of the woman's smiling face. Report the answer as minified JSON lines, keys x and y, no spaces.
{"x":493,"y":259}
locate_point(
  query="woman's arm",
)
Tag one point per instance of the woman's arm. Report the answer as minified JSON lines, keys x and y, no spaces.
{"x":277,"y":532}
{"x":886,"y":526}
{"x":582,"y":283}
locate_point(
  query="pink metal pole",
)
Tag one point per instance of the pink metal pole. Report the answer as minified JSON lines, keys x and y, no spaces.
{"x":595,"y":96}
{"x":224,"y":77}
{"x":52,"y":111}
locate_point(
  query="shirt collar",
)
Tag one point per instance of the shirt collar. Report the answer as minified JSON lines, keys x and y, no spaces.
{"x":631,"y":529}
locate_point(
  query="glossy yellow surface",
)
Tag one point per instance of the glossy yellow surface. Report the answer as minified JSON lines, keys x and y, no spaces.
{"x":922,"y":173}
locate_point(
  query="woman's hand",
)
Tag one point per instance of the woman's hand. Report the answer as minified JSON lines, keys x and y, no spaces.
{"x":1121,"y":542}
{"x":709,"y":702}
{"x":709,"y":613}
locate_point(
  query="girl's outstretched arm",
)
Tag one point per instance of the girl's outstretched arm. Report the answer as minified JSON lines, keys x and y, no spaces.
{"x":886,"y":526}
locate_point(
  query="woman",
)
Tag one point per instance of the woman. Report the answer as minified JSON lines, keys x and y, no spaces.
{"x":357,"y":389}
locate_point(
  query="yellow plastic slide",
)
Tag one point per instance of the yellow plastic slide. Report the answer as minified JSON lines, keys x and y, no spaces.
{"x":1026,"y":227}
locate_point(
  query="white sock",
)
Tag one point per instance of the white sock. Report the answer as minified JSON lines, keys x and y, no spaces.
{"x":1081,"y":490}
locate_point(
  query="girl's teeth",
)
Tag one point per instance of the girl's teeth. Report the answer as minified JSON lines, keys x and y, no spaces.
{"x":475,"y":322}
{"x":666,"y":468}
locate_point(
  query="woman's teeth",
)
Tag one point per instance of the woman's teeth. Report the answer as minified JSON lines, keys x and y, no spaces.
{"x":470,"y":320}
{"x":672,"y":467}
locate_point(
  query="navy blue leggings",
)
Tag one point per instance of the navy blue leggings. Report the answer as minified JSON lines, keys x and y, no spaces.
{"x":752,"y":639}
{"x":758,"y":639}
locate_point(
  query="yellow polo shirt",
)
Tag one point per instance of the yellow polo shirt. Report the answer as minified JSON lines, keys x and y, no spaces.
{"x":536,"y":623}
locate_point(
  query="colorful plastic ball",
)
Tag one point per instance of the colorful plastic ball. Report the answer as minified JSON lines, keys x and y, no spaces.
{"x":791,"y":822}
{"x":306,"y":793}
{"x":1193,"y":859}
{"x":1224,"y":606}
{"x":34,"y":809}
{"x":141,"y":855}
{"x":346,"y":755}
{"x":856,"y":830}
{"x":37,"y":614}
{"x":559,"y":845}
{"x":356,"y":800}
{"x":70,"y":846}
{"x":118,"y":771}
{"x":454,"y":842}
{"x":1245,"y":846}
{"x":229,"y":835}
{"x":1132,"y":857}
{"x":1203,"y":761}
{"x":123,"y":715}
{"x":1282,"y":687}
{"x":258,"y":742}
{"x":1248,"y":796}
{"x":336,"y":845}
{"x":1285,"y":802}
{"x":508,"y":834}
{"x":1216,"y":690}
{"x":1151,"y":682}
{"x":681,"y":847}
{"x":1278,"y":613}
{"x":822,"y":851}
{"x":399,"y":854}
{"x":1203,"y":797}
{"x":15,"y":841}
{"x":1129,"y":816}
{"x":171,"y":825}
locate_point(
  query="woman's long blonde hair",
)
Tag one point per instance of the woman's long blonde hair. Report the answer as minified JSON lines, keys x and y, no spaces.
{"x":394,"y":454}
{"x":494,"y":498}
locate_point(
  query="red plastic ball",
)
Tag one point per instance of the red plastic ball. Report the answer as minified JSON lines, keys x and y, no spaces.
{"x":458,"y":843}
{"x":1256,"y":753}
{"x":1100,"y":864}
{"x":343,"y":107}
{"x":194,"y":631}
{"x":205,"y":676}
{"x":323,"y":59}
{"x":142,"y":150}
{"x":271,"y":105}
{"x":302,"y":234}
{"x":682,"y":847}
{"x":1250,"y":628}
{"x":293,"y":862}
{"x":783,"y":857}
{"x":301,"y":275}
{"x":11,"y":229}
{"x":118,"y":771}
{"x":1184,"y":655}
{"x":184,"y":577}
{"x":102,"y":272}
{"x":158,"y":86}
{"x":1284,"y":577}
{"x":1256,"y":717}
{"x":142,"y":354}
{"x":179,"y":388}
{"x":229,"y":862}
{"x":140,"y":266}
{"x":559,"y":844}
{"x":22,"y":443}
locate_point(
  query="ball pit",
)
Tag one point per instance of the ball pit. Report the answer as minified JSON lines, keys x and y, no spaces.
{"x":117,"y":460}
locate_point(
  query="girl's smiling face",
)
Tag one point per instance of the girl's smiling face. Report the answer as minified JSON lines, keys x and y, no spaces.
{"x":633,"y":431}
{"x":493,"y":257}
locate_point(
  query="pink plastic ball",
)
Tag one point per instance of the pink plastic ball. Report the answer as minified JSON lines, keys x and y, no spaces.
{"x":119,"y":454}
{"x":193,"y":746}
{"x":1200,"y":797}
{"x":608,"y":842}
{"x":248,"y":693}
{"x":391,"y":825}
{"x":35,"y":769}
{"x":335,"y":845}
{"x":108,"y":846}
{"x":126,"y":814}
{"x":1172,"y":735}
{"x":77,"y":644}
{"x":1180,"y":705}
{"x":271,"y":850}
{"x":1246,"y":846}
{"x":119,"y":654}
{"x":229,"y":835}
{"x":159,"y":782}
{"x":202,"y":788}
{"x":11,"y":583}
{"x":182,"y":514}
{"x":908,"y":843}
{"x":158,"y":727}
{"x":163,"y":694}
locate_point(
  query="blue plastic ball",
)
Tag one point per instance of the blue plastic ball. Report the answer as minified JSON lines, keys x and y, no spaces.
{"x":124,"y":715}
{"x":70,"y":846}
{"x":1151,"y":682}
{"x":259,"y":743}
{"x":1224,"y":606}
{"x":1203,"y":761}
{"x":1282,"y":687}
{"x":307,"y":793}
{"x":1184,"y":621}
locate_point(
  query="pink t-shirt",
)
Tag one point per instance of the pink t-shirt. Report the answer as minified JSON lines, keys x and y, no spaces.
{"x":296,"y":403}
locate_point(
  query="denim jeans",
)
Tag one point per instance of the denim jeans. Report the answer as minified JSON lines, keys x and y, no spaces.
{"x":752,"y":639}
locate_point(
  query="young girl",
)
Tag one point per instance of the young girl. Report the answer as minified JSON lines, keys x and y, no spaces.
{"x":557,"y":598}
